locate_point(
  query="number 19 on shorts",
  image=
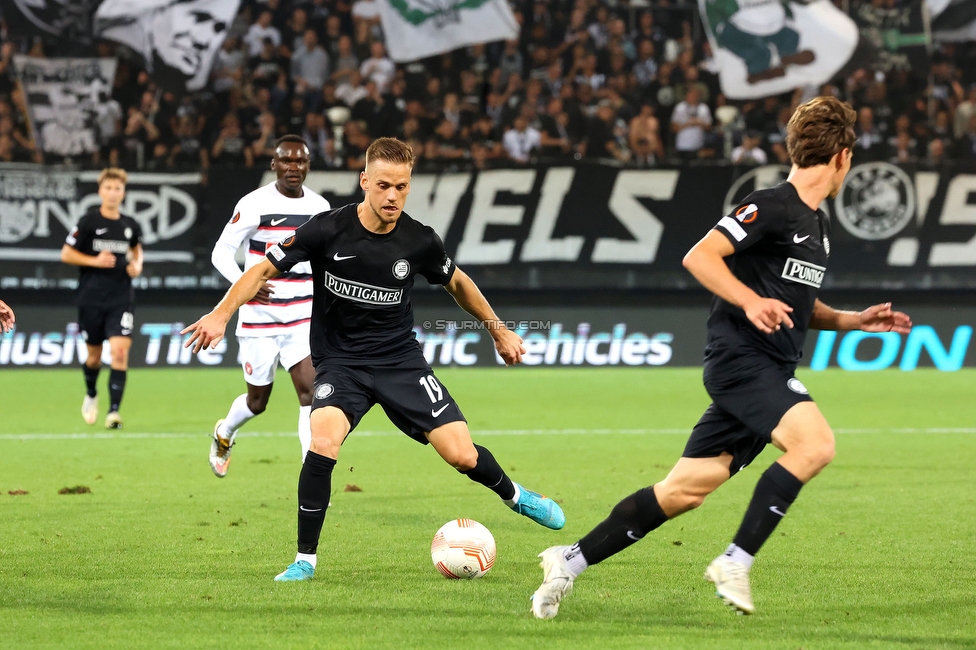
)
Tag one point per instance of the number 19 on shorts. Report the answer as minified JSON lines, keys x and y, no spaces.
{"x":433,"y":388}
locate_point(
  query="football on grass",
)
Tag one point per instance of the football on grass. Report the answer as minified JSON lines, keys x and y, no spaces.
{"x":463,"y":548}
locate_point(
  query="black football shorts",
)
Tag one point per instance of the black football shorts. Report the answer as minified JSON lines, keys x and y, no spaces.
{"x":413,"y":398}
{"x":98,"y":323}
{"x":750,"y":394}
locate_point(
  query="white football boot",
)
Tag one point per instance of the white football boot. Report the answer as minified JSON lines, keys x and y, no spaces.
{"x":89,"y":409}
{"x":557,"y":581}
{"x":731,"y":581}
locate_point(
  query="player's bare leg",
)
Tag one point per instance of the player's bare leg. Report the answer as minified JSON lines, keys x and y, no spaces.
{"x":453,"y":442}
{"x":303,"y":377}
{"x":330,"y":426}
{"x":805,"y":436}
{"x":684,"y":489}
{"x":91,"y":368}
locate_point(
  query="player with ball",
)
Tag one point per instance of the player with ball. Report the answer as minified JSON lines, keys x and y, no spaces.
{"x":364,"y":258}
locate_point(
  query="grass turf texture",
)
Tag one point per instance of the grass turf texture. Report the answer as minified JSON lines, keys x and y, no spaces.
{"x":877,"y":552}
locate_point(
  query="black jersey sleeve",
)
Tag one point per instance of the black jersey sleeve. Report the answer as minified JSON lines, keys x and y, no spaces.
{"x":436,"y":266}
{"x":80,"y":236}
{"x":755,"y":218}
{"x":307,"y":241}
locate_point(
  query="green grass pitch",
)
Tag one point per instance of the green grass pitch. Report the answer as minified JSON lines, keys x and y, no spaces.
{"x":878,"y":552}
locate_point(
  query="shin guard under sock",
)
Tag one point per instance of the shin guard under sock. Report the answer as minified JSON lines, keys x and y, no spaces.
{"x":490,"y":474}
{"x":116,"y":386}
{"x":91,"y":379}
{"x":775,"y":491}
{"x":314,"y":489}
{"x":629,"y":521}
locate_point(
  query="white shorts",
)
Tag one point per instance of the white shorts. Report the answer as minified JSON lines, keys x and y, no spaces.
{"x":260,"y":354}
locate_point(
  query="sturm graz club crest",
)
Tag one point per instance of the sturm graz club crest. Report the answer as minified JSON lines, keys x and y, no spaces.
{"x":442,"y":12}
{"x":401,"y":269}
{"x":876,"y":202}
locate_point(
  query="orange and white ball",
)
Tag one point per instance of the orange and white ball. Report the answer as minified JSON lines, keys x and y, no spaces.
{"x":463,"y":548}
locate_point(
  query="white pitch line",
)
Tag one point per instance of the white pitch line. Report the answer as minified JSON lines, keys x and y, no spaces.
{"x":476,"y":433}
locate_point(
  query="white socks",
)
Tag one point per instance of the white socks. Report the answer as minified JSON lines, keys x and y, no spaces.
{"x":305,"y":556}
{"x":511,"y":502}
{"x":305,"y":428}
{"x":736,"y":554}
{"x":575,"y":562}
{"x":237,"y":416}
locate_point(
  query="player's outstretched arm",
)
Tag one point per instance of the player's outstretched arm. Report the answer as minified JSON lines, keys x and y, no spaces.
{"x":878,"y":318}
{"x":209,"y":330}
{"x":470,"y":299}
{"x":7,"y":319}
{"x":71,"y":255}
{"x":706,"y":261}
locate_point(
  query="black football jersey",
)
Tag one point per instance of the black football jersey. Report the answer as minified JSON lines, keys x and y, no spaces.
{"x":781,"y":250}
{"x":93,"y":234}
{"x":361,"y":310}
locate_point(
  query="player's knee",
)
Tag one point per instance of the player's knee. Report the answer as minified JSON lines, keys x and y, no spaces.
{"x":305,"y":396}
{"x":464,"y":460}
{"x":676,"y":499}
{"x":120,"y":359}
{"x":257,"y":405}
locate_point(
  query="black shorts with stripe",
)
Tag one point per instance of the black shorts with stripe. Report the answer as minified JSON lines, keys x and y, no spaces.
{"x":412,"y":397}
{"x":750,"y":394}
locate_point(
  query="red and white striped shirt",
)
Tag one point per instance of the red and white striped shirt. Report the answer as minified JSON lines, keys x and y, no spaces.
{"x":261,"y":219}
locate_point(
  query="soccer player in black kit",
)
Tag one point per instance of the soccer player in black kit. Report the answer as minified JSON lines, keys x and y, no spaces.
{"x":107,"y":245}
{"x":364,"y":258}
{"x":764,"y":262}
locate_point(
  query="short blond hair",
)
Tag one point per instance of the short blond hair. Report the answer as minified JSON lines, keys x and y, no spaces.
{"x":390,"y":150}
{"x":113,"y":173}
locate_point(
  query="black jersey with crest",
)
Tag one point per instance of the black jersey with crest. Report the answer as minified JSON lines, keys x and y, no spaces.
{"x":361,"y":310}
{"x":781,"y":249}
{"x":93,"y":234}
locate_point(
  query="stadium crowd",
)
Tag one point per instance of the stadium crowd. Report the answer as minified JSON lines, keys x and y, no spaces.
{"x":633,"y":82}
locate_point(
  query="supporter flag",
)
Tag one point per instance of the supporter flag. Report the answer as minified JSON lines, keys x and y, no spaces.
{"x":767,"y":47}
{"x":177,"y":39}
{"x":65,"y":98}
{"x":416,"y":29}
{"x":896,"y":38}
{"x":953,"y":20}
{"x":58,"y":18}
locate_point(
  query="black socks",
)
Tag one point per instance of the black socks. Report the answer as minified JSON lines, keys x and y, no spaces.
{"x":314,"y":490}
{"x":116,"y":386}
{"x":490,"y":474}
{"x":628,"y":522}
{"x":775,"y":491}
{"x":91,"y":378}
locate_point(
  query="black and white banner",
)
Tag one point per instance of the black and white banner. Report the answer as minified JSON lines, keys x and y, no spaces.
{"x":176,"y":39}
{"x":38,"y":210}
{"x":898,"y":36}
{"x":65,"y":98}
{"x":581,"y":227}
{"x":50,"y":18}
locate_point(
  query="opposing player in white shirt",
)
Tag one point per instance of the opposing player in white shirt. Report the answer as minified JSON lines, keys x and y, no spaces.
{"x":273,"y":326}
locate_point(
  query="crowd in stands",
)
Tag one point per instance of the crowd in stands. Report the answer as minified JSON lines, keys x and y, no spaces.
{"x":585,"y":80}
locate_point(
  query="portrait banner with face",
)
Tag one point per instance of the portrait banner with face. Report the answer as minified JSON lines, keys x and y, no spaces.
{"x":177,"y":39}
{"x":420,"y":28}
{"x":65,"y":98}
{"x":768,"y":47}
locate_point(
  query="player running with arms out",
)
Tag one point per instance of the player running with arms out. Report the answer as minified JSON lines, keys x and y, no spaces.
{"x":764,"y":263}
{"x":273,"y":325}
{"x":364,"y":259}
{"x":107,"y":247}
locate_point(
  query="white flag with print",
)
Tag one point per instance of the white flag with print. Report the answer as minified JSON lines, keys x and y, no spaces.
{"x":768,"y":47}
{"x":416,"y":29}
